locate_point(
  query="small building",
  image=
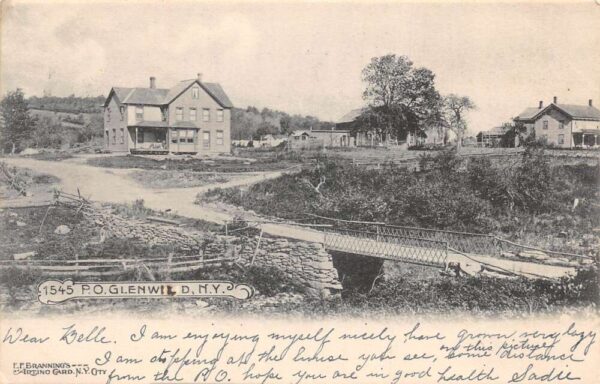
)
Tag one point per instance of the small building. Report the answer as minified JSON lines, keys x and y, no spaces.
{"x":492,"y":137}
{"x":269,"y":141}
{"x":333,"y":137}
{"x":563,"y":125}
{"x":191,"y":117}
{"x":349,"y":122}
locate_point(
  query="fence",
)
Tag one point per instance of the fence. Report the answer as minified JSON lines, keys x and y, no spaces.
{"x":114,"y":267}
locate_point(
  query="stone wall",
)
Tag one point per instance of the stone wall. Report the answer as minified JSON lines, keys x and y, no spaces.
{"x":306,"y":262}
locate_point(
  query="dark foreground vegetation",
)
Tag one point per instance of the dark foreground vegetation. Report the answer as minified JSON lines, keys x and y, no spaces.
{"x":527,"y":200}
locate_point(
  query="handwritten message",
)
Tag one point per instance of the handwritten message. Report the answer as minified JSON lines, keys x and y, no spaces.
{"x":191,"y":350}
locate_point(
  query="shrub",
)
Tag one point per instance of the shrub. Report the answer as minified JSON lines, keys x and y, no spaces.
{"x":16,"y":279}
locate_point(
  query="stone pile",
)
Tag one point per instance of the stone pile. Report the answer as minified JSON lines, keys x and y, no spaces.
{"x":151,"y":233}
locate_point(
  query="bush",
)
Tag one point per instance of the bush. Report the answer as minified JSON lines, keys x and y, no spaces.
{"x":16,"y":279}
{"x":268,"y":281}
{"x":448,"y":193}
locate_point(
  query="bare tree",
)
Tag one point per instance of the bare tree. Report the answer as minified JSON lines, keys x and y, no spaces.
{"x":455,"y":107}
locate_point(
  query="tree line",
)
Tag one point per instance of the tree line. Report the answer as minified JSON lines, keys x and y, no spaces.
{"x":252,"y":123}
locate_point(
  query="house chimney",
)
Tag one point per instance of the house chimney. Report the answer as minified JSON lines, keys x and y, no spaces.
{"x":152,"y":82}
{"x":541,"y":104}
{"x":590,"y":102}
{"x":555,"y":100}
{"x":199,"y":77}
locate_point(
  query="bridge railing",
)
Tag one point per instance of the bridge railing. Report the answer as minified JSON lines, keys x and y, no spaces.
{"x":472,"y":243}
{"x":465,"y":242}
{"x":387,"y":246}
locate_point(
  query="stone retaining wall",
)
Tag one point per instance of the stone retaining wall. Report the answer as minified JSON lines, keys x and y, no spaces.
{"x":309,"y":263}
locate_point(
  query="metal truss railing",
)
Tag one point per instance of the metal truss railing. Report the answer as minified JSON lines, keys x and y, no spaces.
{"x":387,"y":246}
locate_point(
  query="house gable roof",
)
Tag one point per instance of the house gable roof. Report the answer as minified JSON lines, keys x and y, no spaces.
{"x":583,"y":112}
{"x":351,"y":116}
{"x":162,"y":96}
{"x":528,"y":114}
{"x":214,"y":90}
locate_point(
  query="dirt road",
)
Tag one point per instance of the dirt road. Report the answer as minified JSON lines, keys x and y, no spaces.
{"x":112,"y":185}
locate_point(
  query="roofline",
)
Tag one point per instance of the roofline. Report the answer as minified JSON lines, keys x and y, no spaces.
{"x":112,"y":91}
{"x":205,"y":90}
{"x":534,"y":117}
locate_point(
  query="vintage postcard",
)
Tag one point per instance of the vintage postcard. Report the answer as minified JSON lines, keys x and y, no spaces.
{"x":298,"y":192}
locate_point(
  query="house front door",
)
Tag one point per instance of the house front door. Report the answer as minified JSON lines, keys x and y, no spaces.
{"x":206,"y":140}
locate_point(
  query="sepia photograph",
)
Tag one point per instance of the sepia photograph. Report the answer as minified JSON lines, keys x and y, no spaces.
{"x":317,"y":163}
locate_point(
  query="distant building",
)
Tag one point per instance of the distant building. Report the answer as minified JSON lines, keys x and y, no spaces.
{"x":319,"y":138}
{"x":563,"y":125}
{"x":349,"y":122}
{"x":191,"y":117}
{"x":492,"y":137}
{"x":269,"y":141}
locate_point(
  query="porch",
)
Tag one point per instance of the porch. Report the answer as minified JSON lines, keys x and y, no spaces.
{"x":163,"y":140}
{"x":587,"y":138}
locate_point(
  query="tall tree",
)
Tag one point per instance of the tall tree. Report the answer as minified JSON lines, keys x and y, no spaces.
{"x":18,"y":124}
{"x":455,"y":109}
{"x":401,"y":97}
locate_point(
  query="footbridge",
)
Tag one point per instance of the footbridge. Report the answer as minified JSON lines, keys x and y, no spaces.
{"x":464,"y":252}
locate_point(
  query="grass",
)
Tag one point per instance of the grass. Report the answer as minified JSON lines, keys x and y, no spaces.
{"x":176,"y":179}
{"x":138,"y":210}
{"x":51,"y":156}
{"x":232,"y":165}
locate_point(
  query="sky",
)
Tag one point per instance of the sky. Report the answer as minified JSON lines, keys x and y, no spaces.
{"x":307,"y":57}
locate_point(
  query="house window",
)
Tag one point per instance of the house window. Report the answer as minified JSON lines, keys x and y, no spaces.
{"x":219,"y":115}
{"x":174,"y":136}
{"x":545,"y":126}
{"x":192,"y":114}
{"x":561,"y":125}
{"x":206,"y":114}
{"x":114,"y":136}
{"x":195,"y":93}
{"x":122,"y":112}
{"x":164,"y":112}
{"x":122,"y":137}
{"x":107,"y":138}
{"x":139,"y":113}
{"x":219,"y":137}
{"x":179,"y":114}
{"x":108,"y":114}
{"x":190,"y":136}
{"x":561,"y":139}
{"x":206,"y":139}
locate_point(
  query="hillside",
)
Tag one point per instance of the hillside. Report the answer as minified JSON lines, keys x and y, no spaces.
{"x":70,"y":104}
{"x":251,"y":123}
